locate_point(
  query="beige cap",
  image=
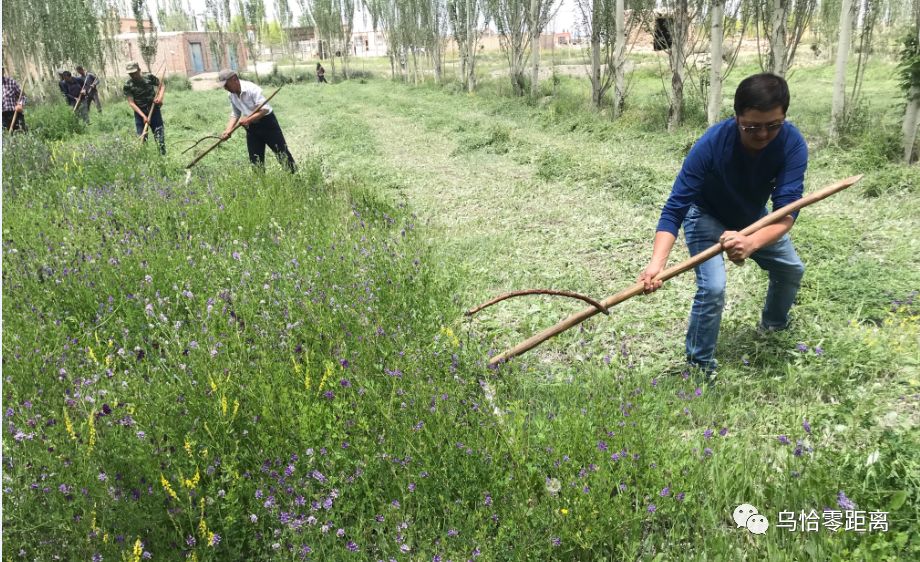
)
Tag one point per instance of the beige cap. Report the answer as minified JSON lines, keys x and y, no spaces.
{"x":225,"y":75}
{"x":132,"y":67}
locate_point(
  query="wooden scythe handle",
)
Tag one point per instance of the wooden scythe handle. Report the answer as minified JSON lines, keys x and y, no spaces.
{"x":16,"y":111}
{"x":638,"y":287}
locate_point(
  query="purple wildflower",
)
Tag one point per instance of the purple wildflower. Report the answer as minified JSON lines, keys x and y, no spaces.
{"x":806,"y":426}
{"x":652,"y":508}
{"x":844,"y":502}
{"x":707,"y":452}
{"x":784,"y":440}
{"x":708,"y":434}
{"x":665,"y":492}
{"x":556,"y":541}
{"x":215,"y":539}
{"x":601,"y":445}
{"x":352,"y":546}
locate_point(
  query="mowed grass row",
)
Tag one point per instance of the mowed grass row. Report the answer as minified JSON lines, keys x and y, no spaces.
{"x":301,"y":368}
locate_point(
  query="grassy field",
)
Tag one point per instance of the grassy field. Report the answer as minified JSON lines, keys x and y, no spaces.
{"x":264,"y":367}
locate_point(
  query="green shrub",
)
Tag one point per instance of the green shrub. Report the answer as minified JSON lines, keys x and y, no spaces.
{"x":178,"y":83}
{"x":54,"y":121}
{"x":892,"y":178}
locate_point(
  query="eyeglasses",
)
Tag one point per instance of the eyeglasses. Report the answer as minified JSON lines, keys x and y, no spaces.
{"x":754,"y":129}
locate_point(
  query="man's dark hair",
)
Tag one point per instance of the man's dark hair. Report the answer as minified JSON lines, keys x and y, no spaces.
{"x":762,"y":92}
{"x":66,"y":74}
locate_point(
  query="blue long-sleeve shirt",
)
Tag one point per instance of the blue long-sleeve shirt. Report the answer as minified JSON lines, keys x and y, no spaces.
{"x":724,"y":180}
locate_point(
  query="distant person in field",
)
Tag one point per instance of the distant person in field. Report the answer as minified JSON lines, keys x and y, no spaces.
{"x":143,"y":93}
{"x":90,"y":88}
{"x":723,"y":186}
{"x":13,"y":102}
{"x":71,"y":86}
{"x":262,"y":128}
{"x":320,"y":74}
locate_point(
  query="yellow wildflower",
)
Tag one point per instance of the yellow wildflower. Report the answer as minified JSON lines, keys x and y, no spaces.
{"x":91,"y":422}
{"x":223,"y":404}
{"x":451,"y":337}
{"x":68,"y":425}
{"x":188,"y":446}
{"x":92,"y":354}
{"x":138,"y":550}
{"x":564,"y":511}
{"x":192,"y":483}
{"x":202,"y":528}
{"x":236,"y":408}
{"x":326,"y":374}
{"x":213,"y":384}
{"x":169,"y":491}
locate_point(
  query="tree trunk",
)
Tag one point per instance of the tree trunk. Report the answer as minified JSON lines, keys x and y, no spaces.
{"x":911,"y":121}
{"x":840,"y":77}
{"x":619,"y":65}
{"x":679,"y":43}
{"x":715,"y":71}
{"x":596,"y":93}
{"x":778,"y":38}
{"x":534,"y":48}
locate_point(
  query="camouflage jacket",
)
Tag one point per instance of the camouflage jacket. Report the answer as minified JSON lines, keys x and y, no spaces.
{"x":142,"y":91}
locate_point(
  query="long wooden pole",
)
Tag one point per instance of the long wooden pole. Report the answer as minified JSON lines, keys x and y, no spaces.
{"x":16,"y":111}
{"x":153,"y":107}
{"x":638,"y":287}
{"x":235,"y":127}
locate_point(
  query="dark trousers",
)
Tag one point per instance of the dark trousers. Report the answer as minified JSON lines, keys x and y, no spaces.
{"x":20,"y":121}
{"x":267,"y":132}
{"x":156,"y":124}
{"x":93,"y":96}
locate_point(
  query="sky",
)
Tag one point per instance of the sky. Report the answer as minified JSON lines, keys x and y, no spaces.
{"x":564,"y":20}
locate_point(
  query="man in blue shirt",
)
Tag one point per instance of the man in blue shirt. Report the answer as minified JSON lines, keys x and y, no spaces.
{"x":71,"y":87}
{"x":723,"y":187}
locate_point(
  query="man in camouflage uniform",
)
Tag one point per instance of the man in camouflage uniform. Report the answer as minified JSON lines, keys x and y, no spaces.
{"x":144,"y":92}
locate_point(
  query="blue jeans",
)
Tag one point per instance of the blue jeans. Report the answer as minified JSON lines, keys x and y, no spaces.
{"x":156,"y":125}
{"x":779,"y":259}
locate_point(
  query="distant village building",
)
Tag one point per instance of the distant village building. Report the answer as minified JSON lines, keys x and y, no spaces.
{"x":187,"y":52}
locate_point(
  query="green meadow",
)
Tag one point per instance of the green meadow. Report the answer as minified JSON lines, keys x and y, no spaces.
{"x":258,"y":366}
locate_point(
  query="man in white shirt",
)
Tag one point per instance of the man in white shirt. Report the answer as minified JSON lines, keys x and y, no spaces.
{"x":262,"y":128}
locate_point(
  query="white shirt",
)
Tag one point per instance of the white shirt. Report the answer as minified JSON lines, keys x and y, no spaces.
{"x":249,"y":99}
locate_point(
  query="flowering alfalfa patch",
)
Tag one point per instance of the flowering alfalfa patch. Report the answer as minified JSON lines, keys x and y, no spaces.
{"x":165,"y":340}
